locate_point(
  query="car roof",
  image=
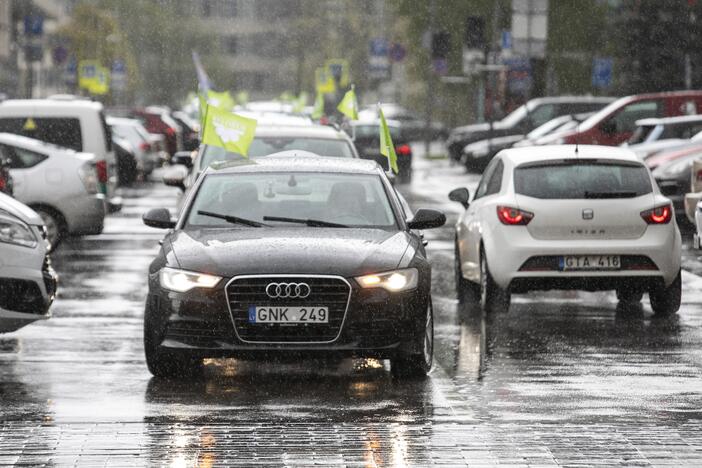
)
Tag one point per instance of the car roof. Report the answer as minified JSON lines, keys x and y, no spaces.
{"x":31,"y":143}
{"x":57,"y":102}
{"x":122,"y":121}
{"x":576,"y":99}
{"x":306,"y":131}
{"x":528,"y":154}
{"x":288,"y":162}
{"x":374,"y":122}
{"x":679,"y":119}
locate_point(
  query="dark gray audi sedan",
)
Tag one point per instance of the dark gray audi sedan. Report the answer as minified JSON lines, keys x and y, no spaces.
{"x":286,"y":258}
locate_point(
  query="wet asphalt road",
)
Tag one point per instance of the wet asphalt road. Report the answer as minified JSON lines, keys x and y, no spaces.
{"x":562,"y":379}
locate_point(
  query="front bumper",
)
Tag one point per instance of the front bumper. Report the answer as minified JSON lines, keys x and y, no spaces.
{"x":509,"y":248}
{"x":26,"y":294}
{"x":376,"y":324}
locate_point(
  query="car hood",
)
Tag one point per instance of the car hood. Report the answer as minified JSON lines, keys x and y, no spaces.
{"x":345,"y":252}
{"x":19,"y":210}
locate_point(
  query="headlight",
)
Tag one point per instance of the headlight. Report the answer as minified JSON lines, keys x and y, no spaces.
{"x":14,"y":231}
{"x":398,"y":280}
{"x":183,"y":281}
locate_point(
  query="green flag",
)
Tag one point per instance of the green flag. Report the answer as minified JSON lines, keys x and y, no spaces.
{"x":202,"y":100}
{"x":349,"y":105}
{"x":318,"y":111}
{"x":386,"y":147}
{"x":242,"y":98}
{"x":232,"y":132}
{"x":221,"y":100}
{"x":300,"y":102}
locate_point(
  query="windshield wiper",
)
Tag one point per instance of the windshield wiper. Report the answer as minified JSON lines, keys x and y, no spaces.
{"x":308,"y":222}
{"x":232,"y":219}
{"x":614,"y":194}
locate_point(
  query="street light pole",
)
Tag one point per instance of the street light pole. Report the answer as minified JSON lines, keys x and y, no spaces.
{"x":430,"y":80}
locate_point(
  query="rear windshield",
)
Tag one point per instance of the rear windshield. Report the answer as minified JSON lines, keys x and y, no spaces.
{"x":582,"y":179}
{"x":61,"y":131}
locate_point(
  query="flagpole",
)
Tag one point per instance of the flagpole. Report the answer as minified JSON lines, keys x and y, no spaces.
{"x":204,"y":122}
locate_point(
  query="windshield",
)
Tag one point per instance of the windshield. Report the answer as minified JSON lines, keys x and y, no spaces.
{"x":346,"y":199}
{"x":263,"y":146}
{"x":581,"y":179}
{"x":516,"y":116}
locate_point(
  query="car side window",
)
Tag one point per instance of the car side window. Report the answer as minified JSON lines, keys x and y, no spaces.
{"x":625,"y":119}
{"x":494,"y":185}
{"x":481,"y":191}
{"x":20,"y":158}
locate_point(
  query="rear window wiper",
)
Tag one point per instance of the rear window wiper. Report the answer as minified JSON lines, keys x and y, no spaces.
{"x":308,"y":222}
{"x":614,"y":194}
{"x":232,"y":219}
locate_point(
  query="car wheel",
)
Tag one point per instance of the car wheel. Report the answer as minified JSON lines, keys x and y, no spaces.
{"x":55,"y":225}
{"x":165,"y":364}
{"x":466,"y":292}
{"x":493,"y":299}
{"x":418,"y":365}
{"x":665,"y":301}
{"x":630,"y":296}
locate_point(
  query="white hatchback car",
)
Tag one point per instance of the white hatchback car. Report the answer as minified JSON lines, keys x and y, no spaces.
{"x":551,"y":217}
{"x":27,"y":281}
{"x":58,"y":183}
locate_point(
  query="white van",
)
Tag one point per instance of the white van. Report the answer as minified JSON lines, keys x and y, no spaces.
{"x":71,"y":122}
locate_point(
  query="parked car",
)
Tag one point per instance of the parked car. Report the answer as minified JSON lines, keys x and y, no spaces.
{"x":673,"y":179}
{"x":73,"y":123}
{"x":126,"y":160}
{"x":190,"y":128}
{"x":158,"y":120}
{"x":367,"y":141}
{"x":27,"y":280}
{"x":522,"y":120}
{"x":412,"y":126}
{"x":61,"y":185}
{"x":551,"y":217}
{"x":6,"y":182}
{"x":654,"y":135}
{"x":268,"y":139}
{"x":616,"y":123}
{"x":477,"y":155}
{"x":267,"y":266}
{"x":145,"y":145}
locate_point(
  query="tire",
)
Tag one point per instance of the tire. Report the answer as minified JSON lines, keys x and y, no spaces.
{"x":466,"y":292}
{"x":629,"y":296}
{"x":55,"y":225}
{"x":665,"y":301}
{"x":493,"y":299}
{"x":166,"y":364}
{"x":418,"y":365}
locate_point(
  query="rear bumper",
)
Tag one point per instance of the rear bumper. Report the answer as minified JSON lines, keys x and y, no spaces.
{"x":508,"y":249}
{"x":84,"y":214}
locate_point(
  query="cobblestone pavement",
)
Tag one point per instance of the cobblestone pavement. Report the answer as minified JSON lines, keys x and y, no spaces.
{"x":562,"y":379}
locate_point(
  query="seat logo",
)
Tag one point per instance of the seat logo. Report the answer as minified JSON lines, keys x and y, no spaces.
{"x":588,"y":214}
{"x":288,"y":290}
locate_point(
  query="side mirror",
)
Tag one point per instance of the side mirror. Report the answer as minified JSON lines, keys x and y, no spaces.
{"x":183,"y":158}
{"x":609,"y":127}
{"x":159,"y":218}
{"x":175,"y":177}
{"x":460,"y":195}
{"x":427,"y":219}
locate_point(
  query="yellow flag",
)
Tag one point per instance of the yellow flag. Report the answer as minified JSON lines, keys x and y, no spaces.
{"x":232,"y":132}
{"x":349,"y":105}
{"x":324,"y":82}
{"x":387,"y":148}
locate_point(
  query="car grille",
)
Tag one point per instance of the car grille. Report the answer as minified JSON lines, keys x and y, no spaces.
{"x":331,"y":292}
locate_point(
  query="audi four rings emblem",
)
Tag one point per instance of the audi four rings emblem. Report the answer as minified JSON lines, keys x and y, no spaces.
{"x":288,"y":290}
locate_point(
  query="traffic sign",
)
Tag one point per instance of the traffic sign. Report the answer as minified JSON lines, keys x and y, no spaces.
{"x":378,"y":61}
{"x":602,"y":72}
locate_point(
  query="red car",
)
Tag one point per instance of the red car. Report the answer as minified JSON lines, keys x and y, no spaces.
{"x":616,"y":123}
{"x":157,"y":120}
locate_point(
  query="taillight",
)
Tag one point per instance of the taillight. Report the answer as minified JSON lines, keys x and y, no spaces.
{"x":101,"y":170}
{"x":3,"y":181}
{"x":659,"y":215}
{"x":513,"y":216}
{"x":145,"y":146}
{"x":698,"y":176}
{"x":170,"y":131}
{"x":403,"y":150}
{"x":87,"y":174}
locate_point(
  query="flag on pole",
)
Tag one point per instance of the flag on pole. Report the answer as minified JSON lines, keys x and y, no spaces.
{"x":349,"y":105}
{"x":387,"y":148}
{"x":222,"y":100}
{"x":318,"y":110}
{"x":324,"y":81}
{"x":226,"y":130}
